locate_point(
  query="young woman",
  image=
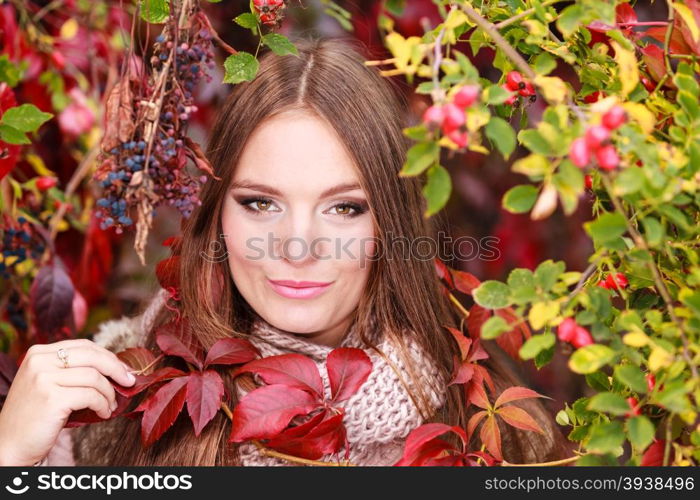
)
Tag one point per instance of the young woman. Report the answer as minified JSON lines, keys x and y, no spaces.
{"x":308,"y":154}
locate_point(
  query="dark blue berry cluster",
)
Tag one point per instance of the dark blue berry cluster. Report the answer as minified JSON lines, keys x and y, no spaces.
{"x":19,"y":243}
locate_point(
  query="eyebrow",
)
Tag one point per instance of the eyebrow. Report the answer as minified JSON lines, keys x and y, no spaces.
{"x":340,"y":188}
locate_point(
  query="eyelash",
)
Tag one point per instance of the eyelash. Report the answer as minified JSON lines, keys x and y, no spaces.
{"x":359,"y":210}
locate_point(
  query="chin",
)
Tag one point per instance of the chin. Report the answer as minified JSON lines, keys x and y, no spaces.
{"x":294,"y":320}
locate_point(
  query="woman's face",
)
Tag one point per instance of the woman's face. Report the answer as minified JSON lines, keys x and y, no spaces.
{"x":298,"y":229}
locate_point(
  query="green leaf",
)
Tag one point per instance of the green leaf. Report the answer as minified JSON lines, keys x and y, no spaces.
{"x":493,"y":327}
{"x":536,"y":344}
{"x":501,"y":134}
{"x":13,"y":136}
{"x":247,"y":20}
{"x":240,"y":67}
{"x":605,"y":437}
{"x":279,"y":44}
{"x":25,"y":118}
{"x":9,"y":72}
{"x":492,"y":294}
{"x":570,"y":19}
{"x":155,"y":11}
{"x":420,"y":157}
{"x":547,"y":274}
{"x":520,"y":199}
{"x":609,"y":402}
{"x":569,"y":182}
{"x":544,"y":64}
{"x":535,"y":142}
{"x":589,"y":358}
{"x":640,"y":431}
{"x":607,"y":227}
{"x":437,"y":190}
{"x":632,"y":377}
{"x":495,"y":94}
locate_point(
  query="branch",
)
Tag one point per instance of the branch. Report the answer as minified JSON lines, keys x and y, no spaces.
{"x":523,"y":14}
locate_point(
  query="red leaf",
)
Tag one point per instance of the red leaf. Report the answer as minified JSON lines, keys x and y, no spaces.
{"x":143,"y":382}
{"x":465,"y":282}
{"x":481,"y":375}
{"x":477,"y":317}
{"x":168,"y":272}
{"x":516,"y":393}
{"x":474,"y":421}
{"x":517,"y":417}
{"x":512,"y":341}
{"x":231,"y":351}
{"x":477,"y":396}
{"x":443,"y":272}
{"x":175,"y":339}
{"x":292,"y":370}
{"x":677,"y":44}
{"x":654,"y":58}
{"x":348,"y":368}
{"x":654,"y":454}
{"x":491,"y":437}
{"x":204,"y":393}
{"x":51,"y":297}
{"x":265,"y":412}
{"x":161,"y":410}
{"x":427,"y":453}
{"x":137,"y":358}
{"x":463,"y":373}
{"x":463,"y":342}
{"x":325,"y":437}
{"x":422,"y":444}
{"x":88,"y":416}
{"x":624,"y":13}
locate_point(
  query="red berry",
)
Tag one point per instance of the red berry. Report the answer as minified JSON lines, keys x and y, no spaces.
{"x":651,"y":381}
{"x":582,"y":337}
{"x":57,"y":59}
{"x":434,"y":116}
{"x":648,"y":84}
{"x":454,"y":118}
{"x":594,"y":97}
{"x":596,"y":136}
{"x":603,"y":284}
{"x":467,"y":96}
{"x":616,"y":281}
{"x":579,"y":153}
{"x":607,"y":157}
{"x":588,"y":180}
{"x":527,"y":91}
{"x":614,"y":117}
{"x":45,"y":183}
{"x":461,"y":138}
{"x":567,"y":330}
{"x":512,"y":99}
{"x":634,"y":406}
{"x":514,"y":81}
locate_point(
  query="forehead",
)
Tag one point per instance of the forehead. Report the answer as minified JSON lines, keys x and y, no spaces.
{"x":296,"y":149}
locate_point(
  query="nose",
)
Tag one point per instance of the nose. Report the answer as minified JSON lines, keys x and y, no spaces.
{"x":299,"y":243}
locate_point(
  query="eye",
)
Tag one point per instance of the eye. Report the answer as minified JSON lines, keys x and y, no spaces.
{"x":257,"y":205}
{"x":348,"y":210}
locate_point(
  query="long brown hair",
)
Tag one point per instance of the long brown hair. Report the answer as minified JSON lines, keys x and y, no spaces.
{"x":330,"y":79}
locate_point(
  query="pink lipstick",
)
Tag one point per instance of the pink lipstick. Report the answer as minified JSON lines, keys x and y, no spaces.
{"x":299,"y":289}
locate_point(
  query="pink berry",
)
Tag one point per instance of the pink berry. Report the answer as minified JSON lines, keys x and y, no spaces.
{"x":461,"y":138}
{"x":582,"y":337}
{"x":454,"y":118}
{"x":579,"y":154}
{"x":607,"y":157}
{"x":567,"y":329}
{"x":512,"y":99}
{"x":596,"y":136}
{"x":614,"y":117}
{"x":619,"y":280}
{"x":434,"y":116}
{"x":467,"y":96}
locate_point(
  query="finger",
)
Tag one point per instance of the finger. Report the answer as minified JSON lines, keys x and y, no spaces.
{"x":87,"y":377}
{"x":78,"y":398}
{"x":106,"y":362}
{"x":55,"y":346}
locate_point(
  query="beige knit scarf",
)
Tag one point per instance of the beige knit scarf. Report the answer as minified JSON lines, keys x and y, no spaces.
{"x":378,"y":417}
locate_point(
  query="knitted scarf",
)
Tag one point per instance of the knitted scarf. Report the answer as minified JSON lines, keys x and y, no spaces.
{"x":377,"y":418}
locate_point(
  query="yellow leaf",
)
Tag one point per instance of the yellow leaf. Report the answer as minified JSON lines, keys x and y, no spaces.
{"x":542,"y":313}
{"x":689,"y":19}
{"x":39,"y":165}
{"x":636,"y":339}
{"x":546,"y":203}
{"x":641,"y":114}
{"x":627,"y":70}
{"x":553,"y":88}
{"x":659,"y":358}
{"x":401,"y":48}
{"x":477,"y":118}
{"x":456,"y":18}
{"x":69,"y":29}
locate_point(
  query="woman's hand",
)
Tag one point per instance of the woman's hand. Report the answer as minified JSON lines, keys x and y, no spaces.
{"x":44,"y":393}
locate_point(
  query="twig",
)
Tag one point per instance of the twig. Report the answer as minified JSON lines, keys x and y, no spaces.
{"x":669,"y":32}
{"x":658,"y":279}
{"x":554,"y":463}
{"x":523,"y":14}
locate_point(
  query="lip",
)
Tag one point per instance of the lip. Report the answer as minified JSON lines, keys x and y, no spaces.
{"x":299,"y":289}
